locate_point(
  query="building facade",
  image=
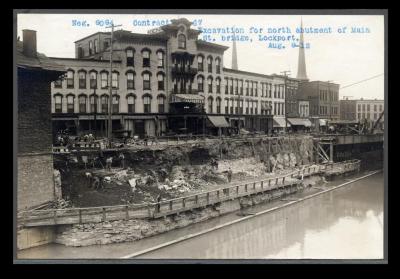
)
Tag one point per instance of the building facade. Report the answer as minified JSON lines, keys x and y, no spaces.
{"x":35,"y":72}
{"x":304,"y":108}
{"x":363,"y":110}
{"x":164,"y":81}
{"x":323,"y":98}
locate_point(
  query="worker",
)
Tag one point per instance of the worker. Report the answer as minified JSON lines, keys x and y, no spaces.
{"x":96,"y":182}
{"x":122,"y":158}
{"x":158,"y":202}
{"x":109,"y":163}
{"x":229,"y":175}
{"x":89,"y":179}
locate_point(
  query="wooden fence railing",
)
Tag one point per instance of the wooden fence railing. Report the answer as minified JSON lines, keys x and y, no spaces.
{"x":47,"y":217}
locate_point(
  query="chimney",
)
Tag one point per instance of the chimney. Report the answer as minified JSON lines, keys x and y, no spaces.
{"x":29,"y":42}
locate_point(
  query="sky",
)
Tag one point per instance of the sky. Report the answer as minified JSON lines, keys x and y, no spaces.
{"x":343,"y":58}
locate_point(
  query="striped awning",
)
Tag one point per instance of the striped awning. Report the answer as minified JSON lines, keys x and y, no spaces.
{"x":191,"y":98}
{"x":299,"y":122}
{"x":280,"y":123}
{"x":218,"y":121}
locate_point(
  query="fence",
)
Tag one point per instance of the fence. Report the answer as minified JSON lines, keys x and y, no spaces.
{"x":47,"y":217}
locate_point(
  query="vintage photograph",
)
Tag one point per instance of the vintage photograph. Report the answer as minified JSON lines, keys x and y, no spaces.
{"x":195,"y":135}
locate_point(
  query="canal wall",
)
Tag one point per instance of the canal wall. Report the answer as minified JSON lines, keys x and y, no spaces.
{"x":136,"y":229}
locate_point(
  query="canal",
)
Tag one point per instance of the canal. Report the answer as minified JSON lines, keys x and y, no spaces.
{"x":346,"y":223}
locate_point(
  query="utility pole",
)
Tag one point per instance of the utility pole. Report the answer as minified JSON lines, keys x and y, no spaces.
{"x":285,"y":73}
{"x":110,"y":84}
{"x":330,"y":99}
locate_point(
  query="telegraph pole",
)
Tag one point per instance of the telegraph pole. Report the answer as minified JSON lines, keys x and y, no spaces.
{"x":330,"y":101}
{"x":285,"y":73}
{"x":110,"y":84}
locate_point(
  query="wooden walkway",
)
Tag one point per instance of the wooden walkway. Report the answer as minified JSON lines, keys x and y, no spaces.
{"x":49,"y":217}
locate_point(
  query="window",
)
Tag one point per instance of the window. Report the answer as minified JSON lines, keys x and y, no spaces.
{"x":218,"y":83}
{"x":181,"y":41}
{"x":70,"y":104}
{"x":58,"y":83}
{"x":236,"y":87}
{"x":363,"y":107}
{"x":90,"y":47}
{"x":231,"y":87}
{"x":255,"y":89}
{"x":218,"y":66}
{"x":218,"y":105}
{"x":200,"y":63}
{"x":129,"y":58}
{"x":161,"y":104}
{"x":200,"y":85}
{"x":160,"y":57}
{"x":115,"y":103}
{"x":58,"y":103}
{"x":82,"y":80}
{"x":247,"y":88}
{"x":226,"y":106}
{"x":115,"y":78}
{"x":359,"y":107}
{"x":130,"y":80}
{"x":146,"y":104}
{"x":104,"y":80}
{"x":241,"y":107}
{"x":380,"y":108}
{"x":160,"y":78}
{"x":375,"y":116}
{"x":104,"y":104}
{"x":241,"y":87}
{"x":226,"y":86}
{"x":210,"y":105}
{"x":368,"y":107}
{"x":93,"y":80}
{"x":131,"y":104}
{"x":146,"y":81}
{"x":70,"y":79}
{"x":375,"y":107}
{"x":82,"y":104}
{"x":359,"y":115}
{"x":209,"y":64}
{"x":96,"y":46}
{"x":232,"y":104}
{"x":146,"y":58}
{"x":93,"y":104}
{"x":210,"y":85}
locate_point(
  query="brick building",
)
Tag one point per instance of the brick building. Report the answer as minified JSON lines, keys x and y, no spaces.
{"x":164,"y":80}
{"x":362,"y":110}
{"x":35,"y":72}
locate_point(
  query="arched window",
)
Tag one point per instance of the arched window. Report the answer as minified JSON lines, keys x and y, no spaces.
{"x":200,"y":63}
{"x":160,"y":78}
{"x":70,"y":79}
{"x":146,"y":57}
{"x":70,"y":103}
{"x":58,"y":83}
{"x":146,"y":103}
{"x":130,"y":62}
{"x":209,"y":63}
{"x":131,"y":103}
{"x":218,"y":84}
{"x":160,"y":59}
{"x":130,"y":80}
{"x":200,"y":83}
{"x":96,"y":46}
{"x":90,"y":47}
{"x":161,"y":103}
{"x":218,"y":65}
{"x":115,"y":80}
{"x":104,"y":80}
{"x":93,"y":104}
{"x":104,"y":104}
{"x":181,"y":41}
{"x":82,"y":79}
{"x":93,"y":79}
{"x":58,"y":103}
{"x":82,"y":104}
{"x":146,"y":81}
{"x":210,"y":84}
{"x":218,"y":101}
{"x":115,"y":103}
{"x":210,"y":104}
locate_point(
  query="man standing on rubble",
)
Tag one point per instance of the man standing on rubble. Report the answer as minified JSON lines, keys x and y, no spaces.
{"x":229,"y":175}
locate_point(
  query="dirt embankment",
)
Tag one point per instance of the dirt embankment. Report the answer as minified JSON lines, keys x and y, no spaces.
{"x":176,"y":171}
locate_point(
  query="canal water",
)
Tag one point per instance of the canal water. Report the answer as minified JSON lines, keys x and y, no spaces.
{"x":346,"y":223}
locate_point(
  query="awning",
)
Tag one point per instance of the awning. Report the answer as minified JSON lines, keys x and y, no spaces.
{"x":192,"y":98}
{"x":218,"y":121}
{"x":299,"y":122}
{"x":280,"y":123}
{"x":322,"y":122}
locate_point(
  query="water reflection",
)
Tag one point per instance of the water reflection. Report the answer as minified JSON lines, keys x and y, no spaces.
{"x":344,"y":224}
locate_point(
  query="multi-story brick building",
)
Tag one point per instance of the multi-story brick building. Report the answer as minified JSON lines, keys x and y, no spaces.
{"x":165,"y":80}
{"x":362,"y":110}
{"x":35,"y":72}
{"x":323,"y":98}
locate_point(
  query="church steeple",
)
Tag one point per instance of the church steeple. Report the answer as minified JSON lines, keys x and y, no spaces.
{"x":301,"y":67}
{"x":234,"y":56}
